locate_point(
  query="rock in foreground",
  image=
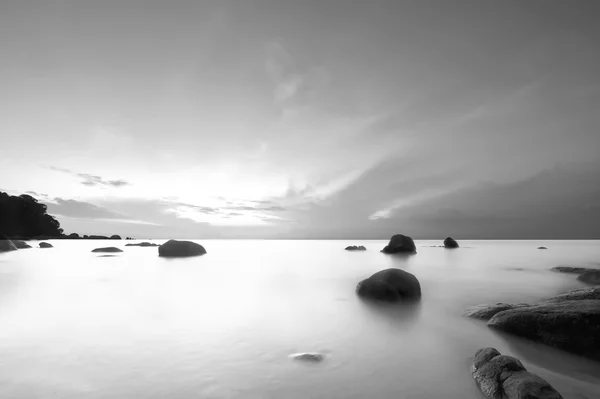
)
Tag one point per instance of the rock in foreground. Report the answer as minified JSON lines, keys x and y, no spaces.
{"x":592,"y":277}
{"x":487,"y":311}
{"x":449,"y":242}
{"x":355,"y":248}
{"x":571,"y":325}
{"x":390,"y":285}
{"x":504,"y":377}
{"x":45,"y":245}
{"x":580,"y":294}
{"x":107,"y":249}
{"x":143,"y":244}
{"x":174,"y":248}
{"x":6,"y":244}
{"x":400,"y":244}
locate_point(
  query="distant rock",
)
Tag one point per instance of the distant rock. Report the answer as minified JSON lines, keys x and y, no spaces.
{"x":93,"y":237}
{"x":486,"y":311}
{"x":571,"y":325}
{"x":45,"y":245}
{"x":449,"y":242}
{"x":107,"y":249}
{"x":21,"y":244}
{"x":575,"y":270}
{"x":592,"y":277}
{"x":73,"y":236}
{"x":307,"y":356}
{"x":400,"y":244}
{"x":174,"y":248}
{"x":390,"y":285}
{"x":115,"y":237}
{"x":504,"y":377}
{"x":85,"y":237}
{"x":6,"y":244}
{"x":143,"y":244}
{"x":542,"y":248}
{"x":355,"y":248}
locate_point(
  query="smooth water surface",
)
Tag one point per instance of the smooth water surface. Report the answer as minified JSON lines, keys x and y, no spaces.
{"x":74,"y":324}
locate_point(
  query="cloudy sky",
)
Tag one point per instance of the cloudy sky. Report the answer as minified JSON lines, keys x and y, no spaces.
{"x":305,"y":119}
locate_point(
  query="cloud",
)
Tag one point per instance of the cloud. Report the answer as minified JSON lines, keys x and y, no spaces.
{"x":92,"y":180}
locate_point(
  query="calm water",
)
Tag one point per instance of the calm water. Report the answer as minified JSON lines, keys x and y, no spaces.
{"x":77,"y":325}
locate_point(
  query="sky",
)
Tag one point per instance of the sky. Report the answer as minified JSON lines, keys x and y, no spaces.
{"x":305,"y":119}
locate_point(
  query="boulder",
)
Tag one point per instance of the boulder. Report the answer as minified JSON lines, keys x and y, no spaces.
{"x":486,"y":311}
{"x":579,"y":294}
{"x":355,"y":248}
{"x":504,"y":377}
{"x":574,"y":270}
{"x":143,"y":244}
{"x":21,"y":244}
{"x":6,"y":244}
{"x":115,"y":237}
{"x":73,"y":236}
{"x":400,"y":244}
{"x":570,"y":325}
{"x":542,"y":248}
{"x":45,"y":245}
{"x":107,"y":249}
{"x":307,"y":356}
{"x":390,"y":285}
{"x":590,"y":277}
{"x":449,"y":242}
{"x":174,"y":248}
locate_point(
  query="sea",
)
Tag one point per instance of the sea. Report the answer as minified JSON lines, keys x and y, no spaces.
{"x":81,"y":325}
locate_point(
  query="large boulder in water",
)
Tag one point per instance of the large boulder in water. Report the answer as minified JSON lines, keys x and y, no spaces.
{"x":107,"y":249}
{"x":45,"y":245}
{"x":487,"y":311}
{"x":174,"y":248}
{"x":400,"y":244}
{"x":449,"y":242}
{"x":6,"y":244}
{"x":504,"y":377}
{"x":571,"y":325}
{"x":390,"y":285}
{"x":592,"y":277}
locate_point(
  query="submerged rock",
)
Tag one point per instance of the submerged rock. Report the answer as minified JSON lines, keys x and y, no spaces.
{"x":21,"y":244}
{"x":6,"y":244}
{"x":307,"y":356}
{"x":449,"y":242}
{"x":143,"y":244}
{"x":592,"y":277}
{"x":45,"y":245}
{"x":107,"y":249}
{"x":571,"y":325}
{"x":355,"y":248}
{"x":486,"y":311}
{"x":400,"y":244}
{"x":174,"y":248}
{"x":390,"y":285}
{"x":504,"y":377}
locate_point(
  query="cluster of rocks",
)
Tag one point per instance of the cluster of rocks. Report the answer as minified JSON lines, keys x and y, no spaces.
{"x":355,"y":248}
{"x":585,"y":275}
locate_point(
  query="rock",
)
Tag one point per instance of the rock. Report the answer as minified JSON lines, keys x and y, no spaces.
{"x":93,"y":237}
{"x":107,"y":249}
{"x":143,"y":244}
{"x":174,"y":248}
{"x":579,"y":294}
{"x":450,"y":243}
{"x":73,"y":236}
{"x":6,"y":244}
{"x":542,"y":248}
{"x":590,"y":277}
{"x":390,"y":285}
{"x":400,"y":244}
{"x":21,"y":244}
{"x":308,"y":356}
{"x":86,"y":237}
{"x":355,"y":248}
{"x":486,"y":311}
{"x":504,"y":377}
{"x":115,"y":237}
{"x":571,"y":325}
{"x":45,"y":245}
{"x":569,"y":269}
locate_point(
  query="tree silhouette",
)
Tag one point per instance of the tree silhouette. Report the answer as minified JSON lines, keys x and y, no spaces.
{"x":24,"y":216}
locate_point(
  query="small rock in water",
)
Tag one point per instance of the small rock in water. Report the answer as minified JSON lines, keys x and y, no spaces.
{"x":355,"y":248}
{"x":308,"y":356}
{"x":449,"y":242}
{"x":45,"y":245}
{"x":107,"y":249}
{"x":542,"y":248}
